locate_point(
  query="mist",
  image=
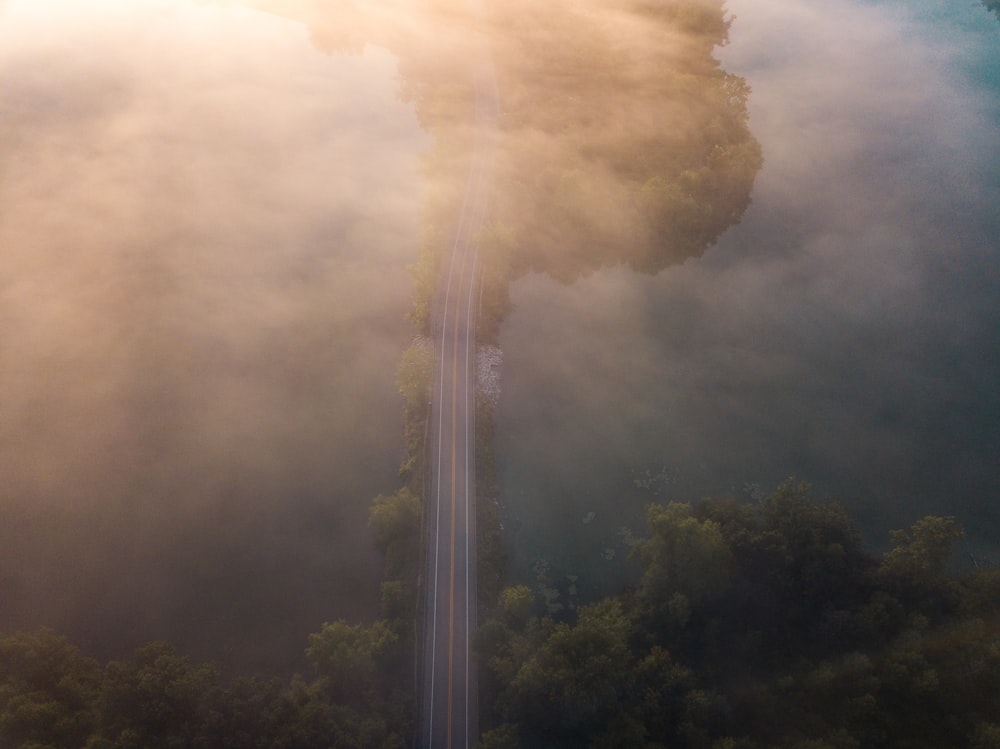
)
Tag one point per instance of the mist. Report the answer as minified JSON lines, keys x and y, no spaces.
{"x":207,"y":211}
{"x":843,"y":333}
{"x":204,"y":234}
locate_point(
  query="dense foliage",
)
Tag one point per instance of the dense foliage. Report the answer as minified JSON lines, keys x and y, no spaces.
{"x":620,"y":138}
{"x":360,"y":694}
{"x":53,"y":697}
{"x":752,"y":626}
{"x":762,"y":625}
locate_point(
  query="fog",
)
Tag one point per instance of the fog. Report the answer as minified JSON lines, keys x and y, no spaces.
{"x":207,"y":211}
{"x":205,"y":223}
{"x":845,"y":332}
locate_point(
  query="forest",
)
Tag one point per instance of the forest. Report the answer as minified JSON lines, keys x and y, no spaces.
{"x":619,"y":141}
{"x":621,"y":138}
{"x":749,"y":626}
{"x":755,"y":626}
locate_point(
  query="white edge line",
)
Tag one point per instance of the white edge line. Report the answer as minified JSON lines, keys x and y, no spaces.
{"x":437,"y":528}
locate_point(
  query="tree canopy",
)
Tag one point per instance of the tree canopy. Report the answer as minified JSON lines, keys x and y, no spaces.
{"x":621,"y":140}
{"x":53,"y":697}
{"x":751,"y":626}
{"x":759,"y":626}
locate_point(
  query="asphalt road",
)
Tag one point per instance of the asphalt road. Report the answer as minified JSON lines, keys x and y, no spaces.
{"x":449,"y":710}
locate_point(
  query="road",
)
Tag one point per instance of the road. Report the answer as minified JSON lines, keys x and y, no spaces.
{"x":449,"y":707}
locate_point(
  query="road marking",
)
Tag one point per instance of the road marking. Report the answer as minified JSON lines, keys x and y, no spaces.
{"x":451,"y":586}
{"x":454,"y":488}
{"x":472,"y":216}
{"x":468,"y":489}
{"x":437,"y":525}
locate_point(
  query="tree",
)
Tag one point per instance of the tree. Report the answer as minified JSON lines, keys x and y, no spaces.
{"x":572,"y":682}
{"x":686,"y":562}
{"x":661,"y":686}
{"x":502,"y":737}
{"x":799,"y":571}
{"x":642,"y":156}
{"x":48,"y":691}
{"x":159,"y":699}
{"x":348,"y":658}
{"x":516,"y":603}
{"x":914,"y":568}
{"x":396,"y":522}
{"x":986,"y":735}
{"x":414,"y":376}
{"x":924,"y":549}
{"x":761,"y":625}
{"x":822,"y":557}
{"x":495,"y":248}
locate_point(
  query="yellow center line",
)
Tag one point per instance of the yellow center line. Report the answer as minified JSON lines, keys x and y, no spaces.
{"x":454,"y":485}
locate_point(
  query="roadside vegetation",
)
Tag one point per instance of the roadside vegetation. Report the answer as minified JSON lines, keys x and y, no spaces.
{"x":54,"y":697}
{"x":758,"y":626}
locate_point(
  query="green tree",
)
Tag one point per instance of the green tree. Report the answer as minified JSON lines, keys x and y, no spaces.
{"x":924,"y":550}
{"x":661,"y":687}
{"x":986,"y":735}
{"x":572,"y":683}
{"x":48,"y":691}
{"x":762,"y":626}
{"x":822,"y":555}
{"x":501,"y":737}
{"x":981,"y":593}
{"x":643,"y":156}
{"x":159,"y":699}
{"x":424,"y":273}
{"x":309,"y":719}
{"x":517,"y":603}
{"x":799,"y":573}
{"x":351,"y":659}
{"x":414,"y":376}
{"x":496,"y":247}
{"x":914,"y":569}
{"x":396,"y":522}
{"x":686,"y":562}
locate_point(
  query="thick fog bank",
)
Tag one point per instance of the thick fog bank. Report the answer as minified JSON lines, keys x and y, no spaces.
{"x":845,"y":332}
{"x":204,"y":229}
